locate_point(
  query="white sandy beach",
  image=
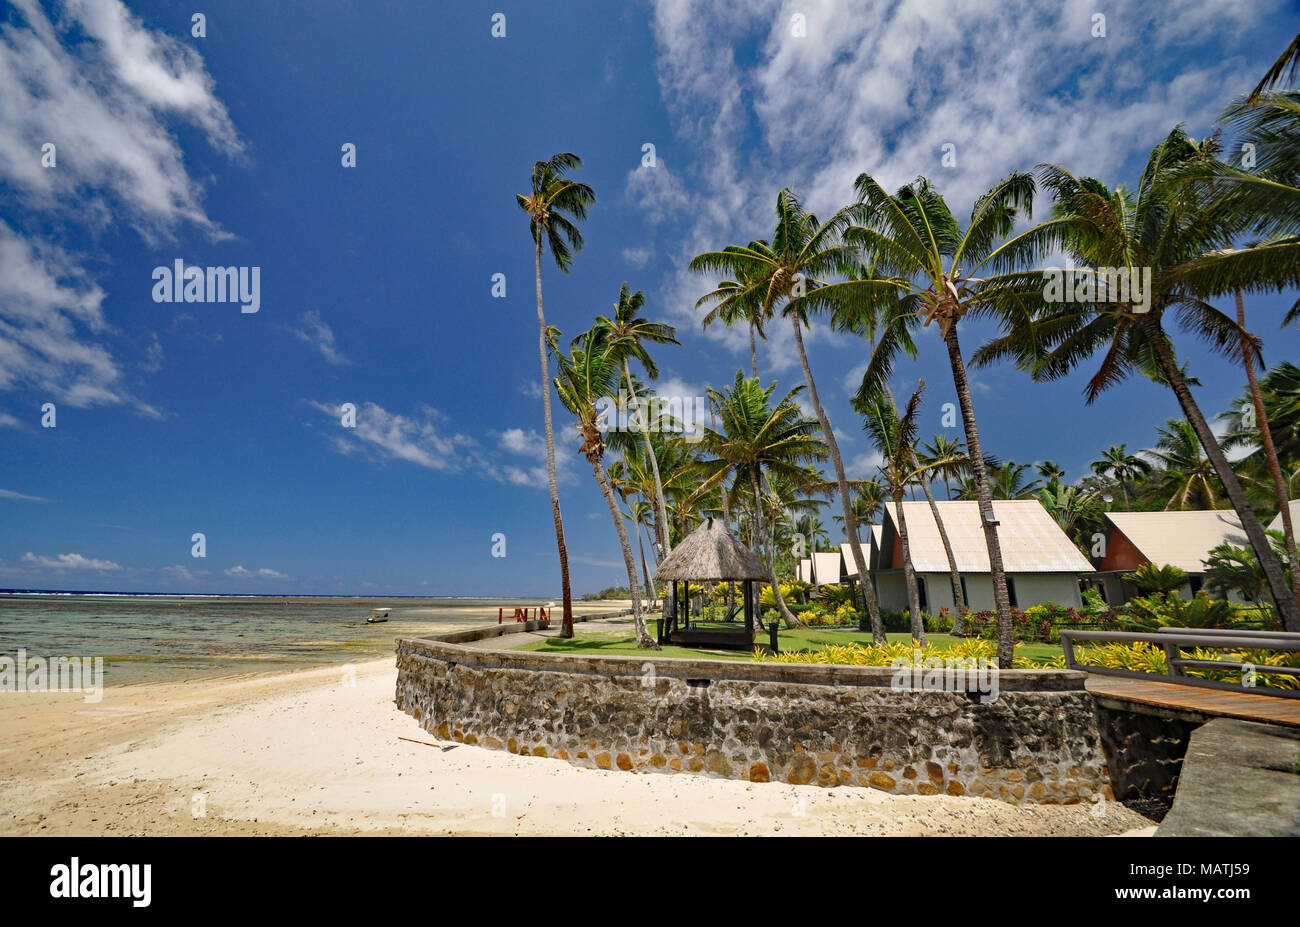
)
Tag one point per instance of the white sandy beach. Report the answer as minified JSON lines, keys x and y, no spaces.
{"x":303,"y":753}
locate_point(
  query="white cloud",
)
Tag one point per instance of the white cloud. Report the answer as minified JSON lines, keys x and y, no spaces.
{"x":419,"y":438}
{"x":321,"y":337}
{"x":106,"y":93}
{"x":104,"y":103}
{"x":242,"y":572}
{"x":531,"y":445}
{"x":69,"y":562}
{"x":864,"y":466}
{"x":656,"y":191}
{"x":21,"y":497}
{"x":880,"y":85}
{"x":638,"y":257}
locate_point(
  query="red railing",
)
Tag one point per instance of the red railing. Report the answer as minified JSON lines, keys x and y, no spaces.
{"x":525,"y":613}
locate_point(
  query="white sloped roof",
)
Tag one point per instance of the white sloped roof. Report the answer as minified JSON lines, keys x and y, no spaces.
{"x":826,"y":567}
{"x":1181,"y":539}
{"x":1031,"y":541}
{"x":1276,"y":523}
{"x":846,"y":552}
{"x":805,"y":571}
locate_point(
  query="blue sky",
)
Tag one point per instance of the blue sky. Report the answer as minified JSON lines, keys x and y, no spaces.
{"x":375,"y":280}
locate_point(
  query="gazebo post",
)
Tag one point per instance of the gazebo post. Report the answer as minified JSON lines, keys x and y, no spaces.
{"x":749,"y":609}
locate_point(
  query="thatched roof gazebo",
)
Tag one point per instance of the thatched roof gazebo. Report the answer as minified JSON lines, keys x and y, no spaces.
{"x":710,"y":553}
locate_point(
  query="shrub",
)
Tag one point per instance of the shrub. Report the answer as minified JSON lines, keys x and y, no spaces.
{"x":1152,"y":579}
{"x":1163,"y":611}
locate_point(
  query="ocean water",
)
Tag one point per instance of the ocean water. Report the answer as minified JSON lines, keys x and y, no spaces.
{"x":162,"y":638}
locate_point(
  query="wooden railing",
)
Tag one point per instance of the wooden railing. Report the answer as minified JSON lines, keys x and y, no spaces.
{"x":1174,"y":640}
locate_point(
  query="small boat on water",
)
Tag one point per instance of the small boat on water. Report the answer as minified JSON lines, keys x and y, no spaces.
{"x":379,"y":617}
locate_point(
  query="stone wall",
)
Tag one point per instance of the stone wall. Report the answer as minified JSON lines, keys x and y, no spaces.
{"x":797,"y":723}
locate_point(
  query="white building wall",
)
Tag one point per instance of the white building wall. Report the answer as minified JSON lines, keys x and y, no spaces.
{"x":1031,"y":589}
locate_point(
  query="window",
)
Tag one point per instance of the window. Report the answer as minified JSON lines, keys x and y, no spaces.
{"x":964,"y":594}
{"x":1197,"y":583}
{"x":1011,"y":592}
{"x":922,"y":594}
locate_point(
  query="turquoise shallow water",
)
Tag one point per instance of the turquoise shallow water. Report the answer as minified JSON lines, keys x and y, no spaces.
{"x":158,"y":638}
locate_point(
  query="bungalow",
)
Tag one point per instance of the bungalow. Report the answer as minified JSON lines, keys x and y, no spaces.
{"x":1180,"y":539}
{"x":1041,"y":563}
{"x":827,"y":568}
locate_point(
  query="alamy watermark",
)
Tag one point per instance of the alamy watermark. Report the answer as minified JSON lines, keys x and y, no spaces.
{"x":946,"y":674}
{"x":681,"y":415}
{"x":194,"y":284}
{"x":1109,"y":285}
{"x":53,"y":674}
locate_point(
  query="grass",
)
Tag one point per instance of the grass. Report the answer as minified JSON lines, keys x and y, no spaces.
{"x":622,"y":643}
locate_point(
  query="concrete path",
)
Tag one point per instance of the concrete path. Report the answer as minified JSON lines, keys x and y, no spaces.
{"x":1239,"y":779}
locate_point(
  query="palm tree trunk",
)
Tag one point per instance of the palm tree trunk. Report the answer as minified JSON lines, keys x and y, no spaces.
{"x":566,"y":629}
{"x":1250,"y":524}
{"x":753,"y":351}
{"x":909,"y":574}
{"x":846,"y":502}
{"x":644,"y":640}
{"x":958,"y":599}
{"x":787,"y":616}
{"x":984,"y":497}
{"x":1270,"y":452}
{"x":661,"y":512}
{"x":645,"y":570}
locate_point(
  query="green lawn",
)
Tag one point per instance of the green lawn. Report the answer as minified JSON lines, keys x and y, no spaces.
{"x":622,"y":643}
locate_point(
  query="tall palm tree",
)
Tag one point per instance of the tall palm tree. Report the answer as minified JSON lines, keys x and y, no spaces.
{"x":756,"y":439}
{"x":736,"y":301}
{"x":555,"y":205}
{"x":1161,"y":228}
{"x":590,"y":372}
{"x":894,"y":435}
{"x":802,"y":252}
{"x":630,"y":336}
{"x":1249,"y":350}
{"x":1121,"y":466}
{"x":926,"y":265}
{"x":1186,"y":476}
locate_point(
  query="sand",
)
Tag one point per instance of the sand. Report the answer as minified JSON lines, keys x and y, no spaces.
{"x":315,"y":752}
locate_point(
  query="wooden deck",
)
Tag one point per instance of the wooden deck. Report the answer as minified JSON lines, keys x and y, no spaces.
{"x":1214,"y":703}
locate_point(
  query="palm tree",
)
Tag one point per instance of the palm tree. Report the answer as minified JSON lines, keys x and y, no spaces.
{"x":1123,"y":467}
{"x":1009,"y":481}
{"x":1051,"y":471}
{"x":1075,"y":510}
{"x":590,"y":372}
{"x":756,"y":440}
{"x":802,"y":251}
{"x":734,"y":301}
{"x":868,"y":502}
{"x":1249,"y":350}
{"x":950,"y":449}
{"x":894,"y":436}
{"x":1162,"y":228}
{"x":1186,"y":476}
{"x":1287,"y":63}
{"x":555,"y":205}
{"x":926,"y":265}
{"x":629,"y":336}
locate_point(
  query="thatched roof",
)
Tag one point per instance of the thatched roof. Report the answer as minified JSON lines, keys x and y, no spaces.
{"x":711,"y":553}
